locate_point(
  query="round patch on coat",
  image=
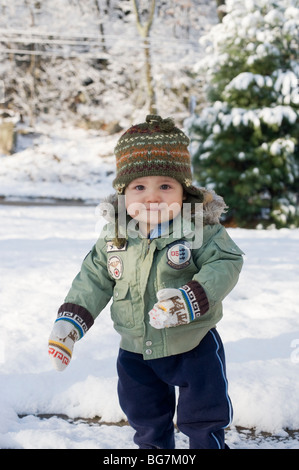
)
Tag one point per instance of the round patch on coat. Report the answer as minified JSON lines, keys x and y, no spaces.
{"x":179,"y":256}
{"x":115,"y":266}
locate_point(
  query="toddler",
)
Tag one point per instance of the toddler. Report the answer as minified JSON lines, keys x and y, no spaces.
{"x":167,"y":291}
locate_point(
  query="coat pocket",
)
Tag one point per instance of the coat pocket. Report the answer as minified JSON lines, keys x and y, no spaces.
{"x":230,"y":251}
{"x":121,"y":308}
{"x":229,"y":247}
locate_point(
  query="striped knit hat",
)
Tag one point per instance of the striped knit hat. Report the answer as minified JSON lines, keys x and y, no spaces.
{"x":154,"y":148}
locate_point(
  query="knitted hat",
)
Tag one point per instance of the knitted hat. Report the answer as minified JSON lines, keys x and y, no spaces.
{"x":154,"y":148}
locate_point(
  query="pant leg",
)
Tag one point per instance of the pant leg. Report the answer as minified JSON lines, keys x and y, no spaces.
{"x":204,"y":407}
{"x":147,"y":401}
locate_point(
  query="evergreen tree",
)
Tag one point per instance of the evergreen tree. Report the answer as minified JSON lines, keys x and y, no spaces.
{"x":245,"y":143}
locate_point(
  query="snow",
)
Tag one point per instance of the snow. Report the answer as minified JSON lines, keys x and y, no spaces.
{"x":57,"y":165}
{"x":275,"y":115}
{"x":41,"y":250}
{"x":272,"y":116}
{"x":287,"y":83}
{"x":244,"y":80}
{"x":42,"y":247}
{"x":279,"y":146}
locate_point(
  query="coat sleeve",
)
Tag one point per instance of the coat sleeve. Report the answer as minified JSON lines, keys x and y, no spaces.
{"x":91,"y":289}
{"x":219,"y":263}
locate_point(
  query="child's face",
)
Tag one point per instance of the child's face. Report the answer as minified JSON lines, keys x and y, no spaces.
{"x":153,"y":199}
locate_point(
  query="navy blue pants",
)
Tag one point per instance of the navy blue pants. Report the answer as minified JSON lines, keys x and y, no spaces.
{"x":146,"y":390}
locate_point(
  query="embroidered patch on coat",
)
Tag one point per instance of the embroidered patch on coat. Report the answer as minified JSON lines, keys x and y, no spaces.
{"x":111,"y":247}
{"x":178,"y":255}
{"x":115,"y":266}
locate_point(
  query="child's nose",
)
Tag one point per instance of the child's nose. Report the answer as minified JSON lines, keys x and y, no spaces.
{"x":152,"y":196}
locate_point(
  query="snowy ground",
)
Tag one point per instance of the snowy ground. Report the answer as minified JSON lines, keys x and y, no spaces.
{"x":58,"y":163}
{"x":41,"y":249}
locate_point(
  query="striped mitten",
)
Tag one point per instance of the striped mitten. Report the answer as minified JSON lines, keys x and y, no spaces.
{"x":179,"y":306}
{"x":71,"y":324}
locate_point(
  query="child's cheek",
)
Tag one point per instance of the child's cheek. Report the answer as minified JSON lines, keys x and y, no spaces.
{"x":135,"y":210}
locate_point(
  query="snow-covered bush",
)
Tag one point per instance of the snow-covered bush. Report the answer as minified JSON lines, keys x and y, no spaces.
{"x":245,"y":143}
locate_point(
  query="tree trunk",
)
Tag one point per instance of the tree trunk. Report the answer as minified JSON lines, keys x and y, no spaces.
{"x":144,"y":31}
{"x":7,"y":136}
{"x":101,"y":25}
{"x":220,"y":10}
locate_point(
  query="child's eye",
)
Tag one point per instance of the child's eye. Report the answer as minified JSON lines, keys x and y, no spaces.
{"x":139,"y":187}
{"x":165,"y":186}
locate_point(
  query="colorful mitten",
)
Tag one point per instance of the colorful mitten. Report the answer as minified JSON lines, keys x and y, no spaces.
{"x":72,"y":323}
{"x":61,"y":343}
{"x":178,"y":306}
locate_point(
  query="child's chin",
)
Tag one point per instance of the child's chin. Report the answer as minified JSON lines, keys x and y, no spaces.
{"x":155,"y":219}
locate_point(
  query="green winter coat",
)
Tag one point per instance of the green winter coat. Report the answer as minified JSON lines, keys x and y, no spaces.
{"x":131,"y":277}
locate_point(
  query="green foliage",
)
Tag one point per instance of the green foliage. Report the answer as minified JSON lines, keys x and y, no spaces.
{"x":245,"y":143}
